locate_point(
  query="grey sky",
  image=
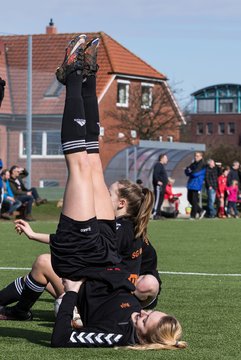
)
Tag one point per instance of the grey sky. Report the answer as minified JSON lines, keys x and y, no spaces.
{"x":195,"y":43}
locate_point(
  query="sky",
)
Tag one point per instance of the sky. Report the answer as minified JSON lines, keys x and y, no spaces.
{"x":194,"y":43}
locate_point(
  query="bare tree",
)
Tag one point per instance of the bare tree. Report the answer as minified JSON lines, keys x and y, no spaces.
{"x":149,"y":118}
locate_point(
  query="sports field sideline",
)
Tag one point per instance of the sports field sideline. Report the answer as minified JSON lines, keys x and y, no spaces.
{"x":200,"y":268}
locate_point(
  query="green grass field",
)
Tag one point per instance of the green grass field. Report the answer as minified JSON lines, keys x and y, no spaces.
{"x":207,"y":306}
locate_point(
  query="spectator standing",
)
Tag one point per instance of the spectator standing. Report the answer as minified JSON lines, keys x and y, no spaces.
{"x":234,"y":174}
{"x":211,"y":183}
{"x":196,"y":174}
{"x":232,"y":191}
{"x":222,"y":191}
{"x":159,"y":181}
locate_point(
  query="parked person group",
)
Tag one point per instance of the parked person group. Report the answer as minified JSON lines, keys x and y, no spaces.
{"x":17,"y":200}
{"x":222,"y":186}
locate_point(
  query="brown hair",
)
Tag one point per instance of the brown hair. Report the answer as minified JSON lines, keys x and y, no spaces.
{"x":4,"y":171}
{"x":139,"y":205}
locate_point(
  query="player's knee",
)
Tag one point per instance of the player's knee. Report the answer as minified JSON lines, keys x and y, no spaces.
{"x":42,"y":262}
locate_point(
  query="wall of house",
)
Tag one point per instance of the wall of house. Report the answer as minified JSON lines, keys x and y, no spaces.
{"x":216,"y":138}
{"x":54,"y":168}
{"x":110,"y":144}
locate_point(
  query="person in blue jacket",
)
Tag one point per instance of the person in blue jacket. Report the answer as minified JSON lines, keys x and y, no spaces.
{"x":9,"y":202}
{"x":196,"y":175}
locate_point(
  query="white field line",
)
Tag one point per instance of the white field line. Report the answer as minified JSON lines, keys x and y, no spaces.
{"x":196,"y":274}
{"x":160,"y":272}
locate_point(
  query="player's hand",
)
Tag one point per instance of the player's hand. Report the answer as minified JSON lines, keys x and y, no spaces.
{"x":22,"y":226}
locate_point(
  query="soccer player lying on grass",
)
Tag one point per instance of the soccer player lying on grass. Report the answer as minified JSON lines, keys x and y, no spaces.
{"x":26,"y":290}
{"x":84,"y":246}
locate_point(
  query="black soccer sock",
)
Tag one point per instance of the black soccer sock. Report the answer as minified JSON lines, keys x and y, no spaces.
{"x":12,"y":292}
{"x":73,"y":130}
{"x":31,"y":292}
{"x":92,"y":114}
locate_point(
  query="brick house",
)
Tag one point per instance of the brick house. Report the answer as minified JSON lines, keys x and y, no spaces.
{"x":216,"y":117}
{"x":120,"y":73}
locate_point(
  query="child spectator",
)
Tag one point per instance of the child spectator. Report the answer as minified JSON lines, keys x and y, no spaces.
{"x":172,"y":198}
{"x":221,"y":191}
{"x":232,"y":192}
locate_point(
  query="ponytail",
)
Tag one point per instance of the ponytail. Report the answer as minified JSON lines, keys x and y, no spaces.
{"x":139,"y":205}
{"x":144,"y":213}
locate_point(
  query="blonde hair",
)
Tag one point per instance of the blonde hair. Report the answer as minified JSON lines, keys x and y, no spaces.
{"x":163,"y":337}
{"x":139,"y":205}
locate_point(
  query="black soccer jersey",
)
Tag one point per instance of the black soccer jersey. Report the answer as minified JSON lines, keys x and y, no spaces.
{"x":106,"y":316}
{"x":129,"y":247}
{"x":149,"y":261}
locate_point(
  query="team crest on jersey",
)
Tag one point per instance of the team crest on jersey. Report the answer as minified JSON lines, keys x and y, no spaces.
{"x":125,"y":305}
{"x":81,"y":122}
{"x":85,"y":230}
{"x":118,"y":225}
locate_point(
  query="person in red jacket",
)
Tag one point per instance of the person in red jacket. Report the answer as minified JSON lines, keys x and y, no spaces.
{"x":221,"y":191}
{"x":170,"y":196}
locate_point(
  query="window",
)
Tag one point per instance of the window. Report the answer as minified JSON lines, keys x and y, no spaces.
{"x":221,"y":128}
{"x":54,"y":89}
{"x":228,"y":105}
{"x":206,"y":105}
{"x":170,"y":138}
{"x":123,"y":93}
{"x":209,"y":128}
{"x":200,"y":128}
{"x":231,"y":128}
{"x":146,"y":95}
{"x":44,"y":144}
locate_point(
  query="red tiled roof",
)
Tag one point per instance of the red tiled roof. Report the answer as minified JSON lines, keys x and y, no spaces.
{"x":48,"y":53}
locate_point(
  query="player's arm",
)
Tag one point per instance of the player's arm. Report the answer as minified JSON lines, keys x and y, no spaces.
{"x":22,"y":226}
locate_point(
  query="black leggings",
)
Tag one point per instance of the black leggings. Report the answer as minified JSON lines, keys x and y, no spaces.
{"x":193,"y":198}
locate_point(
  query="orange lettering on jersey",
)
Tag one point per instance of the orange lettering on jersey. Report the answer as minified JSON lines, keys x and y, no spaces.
{"x":136,"y":253}
{"x":125,"y":305}
{"x":133,"y":278}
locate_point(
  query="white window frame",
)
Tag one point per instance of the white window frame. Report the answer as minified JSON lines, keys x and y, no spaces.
{"x":44,"y":147}
{"x":229,"y":127}
{"x":150,"y":87}
{"x":198,"y":132}
{"x":127,"y":83}
{"x":219,"y":128}
{"x":207,"y":130}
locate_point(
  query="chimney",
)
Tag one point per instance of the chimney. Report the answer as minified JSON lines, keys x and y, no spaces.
{"x":51,"y":29}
